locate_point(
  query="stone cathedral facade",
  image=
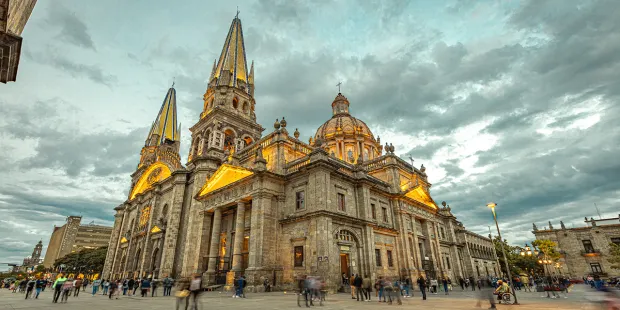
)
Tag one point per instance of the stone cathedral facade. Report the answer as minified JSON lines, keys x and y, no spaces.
{"x":270,"y":206}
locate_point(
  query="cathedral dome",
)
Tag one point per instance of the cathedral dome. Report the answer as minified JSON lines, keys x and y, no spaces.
{"x":346,"y":136}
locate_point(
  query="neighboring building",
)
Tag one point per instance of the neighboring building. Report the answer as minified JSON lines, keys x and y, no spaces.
{"x":274,"y":207}
{"x":34,"y":259}
{"x":480,"y":250}
{"x":585,"y":250}
{"x":13,"y":17}
{"x":73,"y":237}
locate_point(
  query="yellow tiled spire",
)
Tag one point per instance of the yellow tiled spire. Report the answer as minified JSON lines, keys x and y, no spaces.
{"x":165,"y":124}
{"x":232,"y":58}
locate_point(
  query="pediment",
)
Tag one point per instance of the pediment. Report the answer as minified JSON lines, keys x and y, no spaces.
{"x":226,"y":174}
{"x":154,"y":173}
{"x":420,"y":195}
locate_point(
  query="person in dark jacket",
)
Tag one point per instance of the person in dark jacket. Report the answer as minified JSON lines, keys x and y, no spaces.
{"x":422,"y":285}
{"x":145,"y":285}
{"x":357,"y":282}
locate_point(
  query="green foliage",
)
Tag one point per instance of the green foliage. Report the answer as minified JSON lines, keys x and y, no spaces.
{"x":40,"y":268}
{"x":518,"y":264}
{"x":614,"y":253}
{"x":86,"y":261}
{"x":548,"y":248}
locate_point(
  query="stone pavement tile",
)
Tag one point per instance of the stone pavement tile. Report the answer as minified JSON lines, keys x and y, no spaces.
{"x":276,"y":301}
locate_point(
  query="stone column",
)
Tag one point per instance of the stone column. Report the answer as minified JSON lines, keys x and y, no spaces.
{"x":238,"y":242}
{"x":215,"y":240}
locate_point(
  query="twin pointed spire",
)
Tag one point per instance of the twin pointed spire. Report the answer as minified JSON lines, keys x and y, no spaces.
{"x":232,"y":68}
{"x":165,"y":124}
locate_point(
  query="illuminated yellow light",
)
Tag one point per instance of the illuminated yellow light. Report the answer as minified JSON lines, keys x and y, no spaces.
{"x":154,"y":173}
{"x":418,"y":194}
{"x":226,"y":174}
{"x":491,"y":204}
{"x":155,"y":229}
{"x":124,"y":240}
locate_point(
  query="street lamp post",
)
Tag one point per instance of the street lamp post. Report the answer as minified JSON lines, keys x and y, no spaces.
{"x":492,"y":205}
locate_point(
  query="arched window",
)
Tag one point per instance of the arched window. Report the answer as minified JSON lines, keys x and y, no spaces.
{"x":229,"y":139}
{"x":164,"y":211}
{"x":248,"y":141}
{"x":246,"y":108}
{"x":154,"y":259}
{"x":345,"y":235}
{"x":235,"y":103}
{"x":137,"y":259}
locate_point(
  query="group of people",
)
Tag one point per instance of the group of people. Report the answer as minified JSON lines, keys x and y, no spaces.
{"x":130,"y":286}
{"x":311,"y":288}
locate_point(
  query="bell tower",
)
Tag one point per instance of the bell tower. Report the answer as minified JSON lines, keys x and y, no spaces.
{"x":228,"y":119}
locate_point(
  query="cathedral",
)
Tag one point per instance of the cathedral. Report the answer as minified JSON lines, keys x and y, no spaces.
{"x":264,"y":204}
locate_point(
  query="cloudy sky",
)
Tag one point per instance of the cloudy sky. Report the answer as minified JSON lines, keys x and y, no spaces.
{"x":502,"y":100}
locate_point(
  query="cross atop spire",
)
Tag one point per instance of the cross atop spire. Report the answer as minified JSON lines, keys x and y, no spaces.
{"x":339,"y":83}
{"x":237,"y":16}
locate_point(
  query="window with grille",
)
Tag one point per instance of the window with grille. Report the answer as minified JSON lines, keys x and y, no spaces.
{"x":341,"y":205}
{"x":596,"y":267}
{"x":385,"y":214}
{"x":299,"y":198}
{"x":587,"y":246}
{"x":345,"y":235}
{"x":389,"y":257}
{"x":299,"y":256}
{"x":378,"y":257}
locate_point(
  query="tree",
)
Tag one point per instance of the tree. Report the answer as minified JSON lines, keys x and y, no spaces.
{"x":547,"y":248}
{"x":83,"y":261}
{"x":40,"y":268}
{"x":614,"y":252}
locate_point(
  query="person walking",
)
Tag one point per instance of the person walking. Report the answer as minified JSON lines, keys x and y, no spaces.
{"x":60,"y":281}
{"x":154,"y":285}
{"x":168,"y":283}
{"x":367,"y":287}
{"x":472,"y":281}
{"x":195,"y":288}
{"x":434,"y":284}
{"x":444,"y":281}
{"x":115,"y":289}
{"x":130,"y":284}
{"x":125,"y":286}
{"x":136,"y":284}
{"x":30,"y":287}
{"x":77,"y":284}
{"x":145,"y":286}
{"x":357,"y":283}
{"x":85,"y":283}
{"x":351,"y":280}
{"x":381,"y":289}
{"x":96,"y":284}
{"x":67,"y":287}
{"x":422,"y":286}
{"x":407,"y":286}
{"x":182,"y":293}
{"x":486,"y":293}
{"x":38,"y":286}
{"x":106,"y":287}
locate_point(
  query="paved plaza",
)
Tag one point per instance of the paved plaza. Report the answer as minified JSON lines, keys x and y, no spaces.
{"x":281,"y":300}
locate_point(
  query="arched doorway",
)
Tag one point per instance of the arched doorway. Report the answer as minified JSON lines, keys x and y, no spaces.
{"x":349,"y":258}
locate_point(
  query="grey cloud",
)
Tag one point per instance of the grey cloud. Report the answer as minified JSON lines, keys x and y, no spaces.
{"x":102,"y":154}
{"x":72,"y":28}
{"x":92,"y":72}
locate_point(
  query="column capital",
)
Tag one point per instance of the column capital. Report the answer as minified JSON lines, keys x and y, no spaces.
{"x":241,"y":202}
